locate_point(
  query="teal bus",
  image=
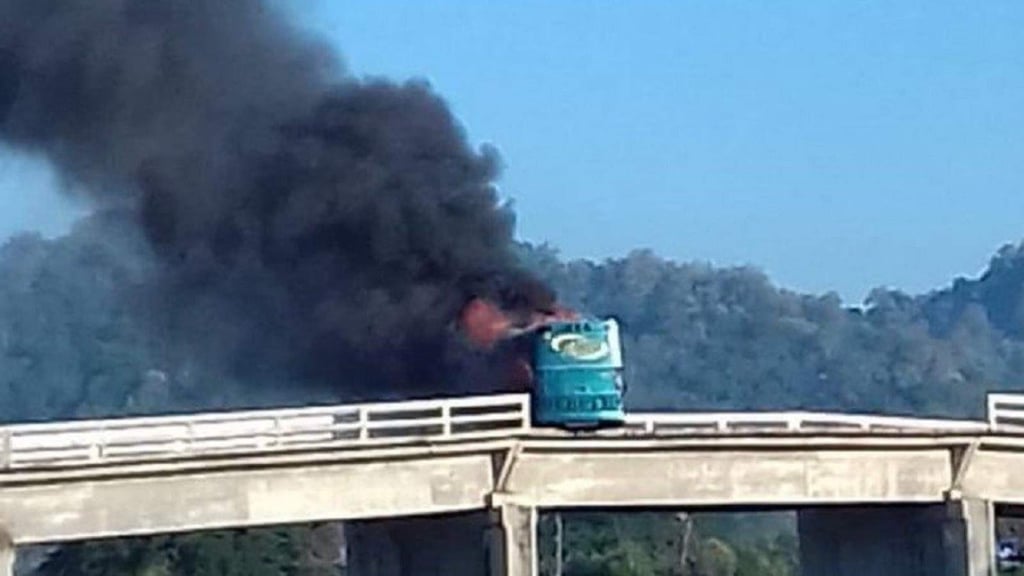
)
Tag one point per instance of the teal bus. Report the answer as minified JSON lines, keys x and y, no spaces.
{"x":578,"y":374}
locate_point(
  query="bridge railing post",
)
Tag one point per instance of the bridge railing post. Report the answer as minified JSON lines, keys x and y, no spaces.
{"x":190,"y":439}
{"x":793,"y":422}
{"x":96,"y":447}
{"x":991,"y":410}
{"x":5,"y":449}
{"x":364,"y":423}
{"x":524,"y":407}
{"x":446,"y":420}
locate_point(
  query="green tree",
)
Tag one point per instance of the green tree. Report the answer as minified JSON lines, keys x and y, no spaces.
{"x":257,"y":552}
{"x":715,"y":558}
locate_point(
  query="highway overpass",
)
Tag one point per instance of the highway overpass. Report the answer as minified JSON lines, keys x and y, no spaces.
{"x":888,"y":495}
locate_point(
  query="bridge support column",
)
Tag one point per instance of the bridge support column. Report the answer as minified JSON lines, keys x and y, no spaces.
{"x":6,"y":555}
{"x":970,"y":537}
{"x":953,"y":539}
{"x":514,"y":541}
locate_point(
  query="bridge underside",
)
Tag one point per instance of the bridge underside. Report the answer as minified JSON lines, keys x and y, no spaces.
{"x":952,"y":539}
{"x":450,"y":544}
{"x":501,"y":542}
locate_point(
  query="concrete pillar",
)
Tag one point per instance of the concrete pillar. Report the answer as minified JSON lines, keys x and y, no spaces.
{"x":953,"y":539}
{"x":969,"y":534}
{"x":514,"y":541}
{"x":420,"y":546}
{"x":6,"y":555}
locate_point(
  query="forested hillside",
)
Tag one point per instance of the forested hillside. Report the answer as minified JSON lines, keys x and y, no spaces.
{"x":699,"y":337}
{"x":696,"y":337}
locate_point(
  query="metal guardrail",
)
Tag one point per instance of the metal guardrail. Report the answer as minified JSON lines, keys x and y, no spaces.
{"x":724,"y":422}
{"x":1006,"y":412}
{"x":479,"y":417}
{"x":128,"y":439}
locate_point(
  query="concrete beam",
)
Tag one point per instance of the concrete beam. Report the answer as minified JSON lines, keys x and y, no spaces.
{"x":995,"y":476}
{"x":734,"y":477}
{"x":95,"y":508}
{"x":55,"y":505}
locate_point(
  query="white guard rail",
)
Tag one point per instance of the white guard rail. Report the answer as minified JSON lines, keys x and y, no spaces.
{"x":126,"y":439}
{"x":1006,"y":412}
{"x":495,"y":416}
{"x":767,"y":422}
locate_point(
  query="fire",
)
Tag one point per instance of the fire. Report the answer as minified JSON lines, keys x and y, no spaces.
{"x":485,"y":323}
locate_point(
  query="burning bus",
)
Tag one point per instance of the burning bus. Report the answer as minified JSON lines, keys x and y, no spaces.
{"x":571,"y":365}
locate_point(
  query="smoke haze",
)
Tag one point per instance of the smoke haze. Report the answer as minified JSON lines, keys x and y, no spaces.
{"x":305,"y":221}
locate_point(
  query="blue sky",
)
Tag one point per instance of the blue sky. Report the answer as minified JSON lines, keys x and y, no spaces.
{"x":836,"y":144}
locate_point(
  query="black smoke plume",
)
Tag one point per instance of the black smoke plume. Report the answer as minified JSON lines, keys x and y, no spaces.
{"x":304,"y":220}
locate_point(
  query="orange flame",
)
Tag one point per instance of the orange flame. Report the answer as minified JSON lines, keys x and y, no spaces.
{"x":485,"y":323}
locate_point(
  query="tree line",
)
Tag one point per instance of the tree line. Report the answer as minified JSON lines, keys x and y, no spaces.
{"x":696,"y":337}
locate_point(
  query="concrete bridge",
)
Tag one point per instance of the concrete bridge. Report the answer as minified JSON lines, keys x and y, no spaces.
{"x":874,"y":495}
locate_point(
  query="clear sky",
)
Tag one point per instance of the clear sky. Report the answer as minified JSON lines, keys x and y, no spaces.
{"x":836,"y":144}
